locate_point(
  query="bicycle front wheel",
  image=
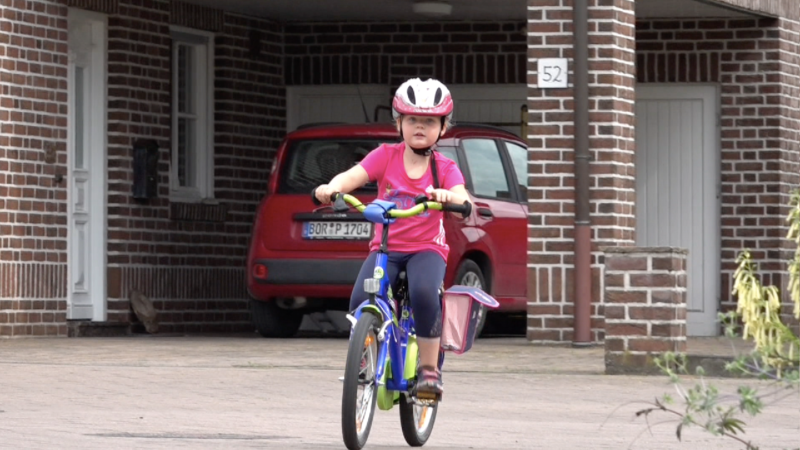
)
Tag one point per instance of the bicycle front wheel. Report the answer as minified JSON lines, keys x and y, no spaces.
{"x":360,"y":390}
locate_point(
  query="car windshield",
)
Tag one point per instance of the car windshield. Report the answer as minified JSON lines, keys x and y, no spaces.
{"x":314,"y":162}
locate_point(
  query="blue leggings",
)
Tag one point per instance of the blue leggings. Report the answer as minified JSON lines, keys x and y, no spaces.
{"x":425,"y":272}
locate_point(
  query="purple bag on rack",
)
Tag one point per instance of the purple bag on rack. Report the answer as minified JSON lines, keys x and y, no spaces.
{"x":461,"y":314}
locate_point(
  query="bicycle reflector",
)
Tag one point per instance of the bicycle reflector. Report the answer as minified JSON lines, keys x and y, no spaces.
{"x":372,"y":285}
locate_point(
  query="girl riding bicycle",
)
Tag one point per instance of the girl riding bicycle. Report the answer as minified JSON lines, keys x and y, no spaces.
{"x":422,"y":111}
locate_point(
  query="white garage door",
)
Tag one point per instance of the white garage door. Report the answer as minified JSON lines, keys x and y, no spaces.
{"x":499,"y":105}
{"x":340,"y":103}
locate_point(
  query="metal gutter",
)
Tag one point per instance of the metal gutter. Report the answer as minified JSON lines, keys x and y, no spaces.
{"x":583,"y":227}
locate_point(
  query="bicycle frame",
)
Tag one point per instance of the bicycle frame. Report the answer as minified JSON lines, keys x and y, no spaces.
{"x":393,"y":338}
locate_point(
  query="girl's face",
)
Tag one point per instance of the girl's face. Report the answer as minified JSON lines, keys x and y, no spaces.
{"x":421,"y":131}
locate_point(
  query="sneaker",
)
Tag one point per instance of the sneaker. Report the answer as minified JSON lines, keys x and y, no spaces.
{"x":429,"y":380}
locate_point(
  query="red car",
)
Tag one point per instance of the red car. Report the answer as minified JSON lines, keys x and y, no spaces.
{"x":304,"y":258}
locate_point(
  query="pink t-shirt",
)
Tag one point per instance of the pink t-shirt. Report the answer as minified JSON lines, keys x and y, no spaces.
{"x":385,"y":166}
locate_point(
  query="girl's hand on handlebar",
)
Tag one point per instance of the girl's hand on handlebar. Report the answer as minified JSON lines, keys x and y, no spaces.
{"x":323,"y":193}
{"x":440,"y":195}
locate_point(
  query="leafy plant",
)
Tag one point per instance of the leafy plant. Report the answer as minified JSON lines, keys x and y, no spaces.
{"x":702,"y":405}
{"x":776,"y":354}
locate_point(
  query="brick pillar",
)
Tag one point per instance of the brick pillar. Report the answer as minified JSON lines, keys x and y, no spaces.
{"x":645,"y":306}
{"x":33,"y":158}
{"x":789,"y":132}
{"x":551,"y":158}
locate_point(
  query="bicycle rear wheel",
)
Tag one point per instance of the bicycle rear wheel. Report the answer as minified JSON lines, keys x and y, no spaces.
{"x":360,"y":390}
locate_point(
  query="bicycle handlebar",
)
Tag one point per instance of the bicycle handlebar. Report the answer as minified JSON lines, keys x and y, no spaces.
{"x":464,"y":209}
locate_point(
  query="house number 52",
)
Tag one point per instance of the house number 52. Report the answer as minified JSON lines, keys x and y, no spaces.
{"x":552,"y":72}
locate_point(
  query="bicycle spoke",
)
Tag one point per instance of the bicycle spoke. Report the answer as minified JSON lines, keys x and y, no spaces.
{"x":421,"y":416}
{"x":364,"y":407}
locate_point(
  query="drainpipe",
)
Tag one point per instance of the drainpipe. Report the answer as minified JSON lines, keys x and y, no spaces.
{"x":583,"y":227}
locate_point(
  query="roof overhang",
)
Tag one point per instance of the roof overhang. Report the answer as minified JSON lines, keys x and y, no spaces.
{"x":685,"y":9}
{"x":370,"y":10}
{"x":789,"y":9}
{"x":482,"y":10}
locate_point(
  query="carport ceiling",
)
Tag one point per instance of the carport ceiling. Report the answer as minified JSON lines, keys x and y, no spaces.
{"x":652,"y":9}
{"x":400,"y":10}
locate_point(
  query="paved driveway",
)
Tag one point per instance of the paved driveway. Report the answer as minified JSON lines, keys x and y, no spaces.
{"x":199,"y":392}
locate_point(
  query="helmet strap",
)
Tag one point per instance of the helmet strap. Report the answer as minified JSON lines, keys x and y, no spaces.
{"x":421,"y":151}
{"x":426,"y":150}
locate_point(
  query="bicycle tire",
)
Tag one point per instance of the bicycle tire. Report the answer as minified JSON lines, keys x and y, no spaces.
{"x":416,"y":434}
{"x":355,"y":431}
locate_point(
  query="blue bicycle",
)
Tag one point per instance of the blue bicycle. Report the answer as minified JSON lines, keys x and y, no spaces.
{"x":383,"y":356}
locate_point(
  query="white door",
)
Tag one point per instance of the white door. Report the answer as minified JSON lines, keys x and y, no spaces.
{"x":86,"y":150}
{"x":677,"y":174}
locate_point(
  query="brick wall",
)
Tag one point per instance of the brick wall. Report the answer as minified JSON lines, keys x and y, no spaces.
{"x":645,"y":306}
{"x":250,"y":115}
{"x":389,"y":53}
{"x":33,"y":233}
{"x":551,"y":158}
{"x":755,"y":64}
{"x":189,"y":258}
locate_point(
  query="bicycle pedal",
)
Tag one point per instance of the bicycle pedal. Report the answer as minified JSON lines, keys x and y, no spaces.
{"x":426,"y":402}
{"x":429,"y":397}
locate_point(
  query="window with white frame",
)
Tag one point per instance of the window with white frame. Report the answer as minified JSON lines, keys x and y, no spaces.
{"x":191,"y":165}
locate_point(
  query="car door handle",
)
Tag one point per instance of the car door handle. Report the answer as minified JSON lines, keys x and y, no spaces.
{"x":485,"y":212}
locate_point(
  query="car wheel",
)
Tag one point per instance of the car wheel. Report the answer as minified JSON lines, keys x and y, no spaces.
{"x":469,"y":274}
{"x":272,"y":321}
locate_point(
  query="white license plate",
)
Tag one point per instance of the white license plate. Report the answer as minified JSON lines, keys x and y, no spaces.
{"x":337,"y":230}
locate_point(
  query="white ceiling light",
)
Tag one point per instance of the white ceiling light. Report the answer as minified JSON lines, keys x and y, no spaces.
{"x":432,"y":8}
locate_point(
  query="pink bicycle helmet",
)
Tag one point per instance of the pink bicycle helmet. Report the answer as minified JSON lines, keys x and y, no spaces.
{"x":423,"y":98}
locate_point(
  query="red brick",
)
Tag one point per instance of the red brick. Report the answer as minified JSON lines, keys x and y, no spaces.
{"x":544,"y":285}
{"x":613,"y":344}
{"x":630,"y":297}
{"x":625,"y":263}
{"x":669,"y":263}
{"x":652,"y":313}
{"x":558,"y":322}
{"x":615,"y":280}
{"x":539,"y":309}
{"x":652,"y":280}
{"x":667,"y":296}
{"x":614,"y":311}
{"x":625,"y":329}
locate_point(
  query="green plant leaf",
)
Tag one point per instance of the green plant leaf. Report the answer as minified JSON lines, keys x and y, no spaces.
{"x":733,"y":425}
